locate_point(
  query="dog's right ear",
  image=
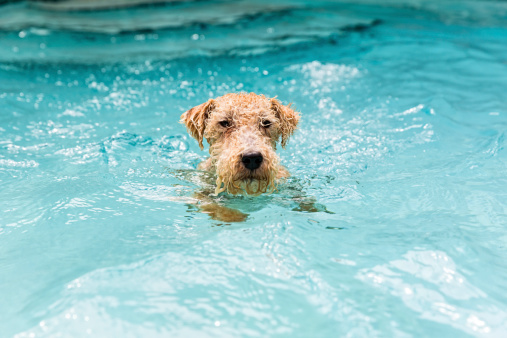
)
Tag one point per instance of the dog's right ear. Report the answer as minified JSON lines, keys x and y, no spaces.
{"x":287,"y":117}
{"x":195,"y":120}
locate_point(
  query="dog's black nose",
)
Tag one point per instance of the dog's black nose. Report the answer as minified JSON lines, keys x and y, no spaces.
{"x":252,"y":161}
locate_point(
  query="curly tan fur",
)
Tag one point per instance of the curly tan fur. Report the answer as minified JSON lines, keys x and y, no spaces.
{"x":235,"y":124}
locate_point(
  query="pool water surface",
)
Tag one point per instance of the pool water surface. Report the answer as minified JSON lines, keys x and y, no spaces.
{"x":401,"y":145}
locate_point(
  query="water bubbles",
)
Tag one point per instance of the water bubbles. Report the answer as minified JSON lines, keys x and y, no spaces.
{"x":40,"y":31}
{"x":386,"y":141}
{"x":324,"y":77}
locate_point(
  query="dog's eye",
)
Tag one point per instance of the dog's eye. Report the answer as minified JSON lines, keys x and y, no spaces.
{"x":225,"y":124}
{"x":266,"y":123}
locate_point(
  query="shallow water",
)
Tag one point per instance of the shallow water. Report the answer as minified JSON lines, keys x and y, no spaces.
{"x":402,"y":139}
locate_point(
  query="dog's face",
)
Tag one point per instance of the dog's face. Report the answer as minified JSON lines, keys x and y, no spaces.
{"x":242,"y":130}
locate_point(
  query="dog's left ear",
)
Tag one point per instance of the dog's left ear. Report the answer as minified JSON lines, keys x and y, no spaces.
{"x":195,"y":120}
{"x":287,"y":117}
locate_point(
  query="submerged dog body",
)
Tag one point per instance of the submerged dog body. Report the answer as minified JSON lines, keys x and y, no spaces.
{"x":242,"y":130}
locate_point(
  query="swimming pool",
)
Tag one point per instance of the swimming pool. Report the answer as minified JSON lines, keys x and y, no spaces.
{"x":402,"y":138}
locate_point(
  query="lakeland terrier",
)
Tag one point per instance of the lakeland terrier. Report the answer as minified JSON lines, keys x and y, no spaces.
{"x":242,"y":130}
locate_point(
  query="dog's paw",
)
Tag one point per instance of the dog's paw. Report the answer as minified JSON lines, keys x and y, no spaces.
{"x":224,"y":214}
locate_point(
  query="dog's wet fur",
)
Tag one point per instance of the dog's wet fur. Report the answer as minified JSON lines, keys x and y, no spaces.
{"x":243,"y":131}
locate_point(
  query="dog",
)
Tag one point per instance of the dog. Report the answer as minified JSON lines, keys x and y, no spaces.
{"x":243,"y":131}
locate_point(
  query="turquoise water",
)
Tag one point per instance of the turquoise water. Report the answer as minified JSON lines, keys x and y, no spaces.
{"x":402,"y":139}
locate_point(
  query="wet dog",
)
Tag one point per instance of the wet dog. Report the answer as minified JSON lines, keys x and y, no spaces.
{"x":242,"y":131}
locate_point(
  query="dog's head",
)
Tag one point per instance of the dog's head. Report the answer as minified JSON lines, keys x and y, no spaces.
{"x":242,"y":130}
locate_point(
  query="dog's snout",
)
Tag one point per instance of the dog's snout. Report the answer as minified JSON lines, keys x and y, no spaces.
{"x":252,"y":161}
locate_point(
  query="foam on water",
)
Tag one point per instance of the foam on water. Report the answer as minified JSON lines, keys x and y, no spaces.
{"x":401,"y":146}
